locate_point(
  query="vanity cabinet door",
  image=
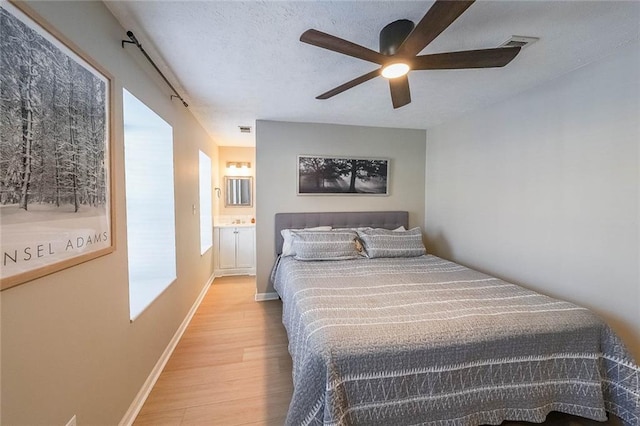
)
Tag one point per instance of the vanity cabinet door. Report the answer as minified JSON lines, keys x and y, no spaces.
{"x":227,"y":251}
{"x":245,"y":252}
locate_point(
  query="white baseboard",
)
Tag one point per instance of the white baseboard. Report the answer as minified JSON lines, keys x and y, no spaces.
{"x":261,"y":297}
{"x":236,"y":271}
{"x":146,"y":388}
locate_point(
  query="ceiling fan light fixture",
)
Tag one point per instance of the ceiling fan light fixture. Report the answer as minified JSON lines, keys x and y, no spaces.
{"x":395,"y":70}
{"x":400,"y":45}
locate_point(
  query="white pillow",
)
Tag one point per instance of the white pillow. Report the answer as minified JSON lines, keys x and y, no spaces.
{"x":287,"y":245}
{"x":400,"y":228}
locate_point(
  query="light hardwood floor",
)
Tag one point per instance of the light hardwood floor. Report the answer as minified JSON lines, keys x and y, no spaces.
{"x":231,"y":366}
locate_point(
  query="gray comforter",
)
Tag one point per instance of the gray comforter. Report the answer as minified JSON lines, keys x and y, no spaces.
{"x":426,"y":341}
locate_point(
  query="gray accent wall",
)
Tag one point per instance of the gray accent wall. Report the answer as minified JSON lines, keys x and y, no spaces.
{"x":543,"y":189}
{"x":278,"y":145}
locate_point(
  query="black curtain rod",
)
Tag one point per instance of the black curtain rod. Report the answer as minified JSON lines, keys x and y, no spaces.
{"x":135,"y":41}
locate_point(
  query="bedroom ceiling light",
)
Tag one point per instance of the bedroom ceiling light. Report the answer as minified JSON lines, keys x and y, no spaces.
{"x":238,"y":165}
{"x":395,"y":70}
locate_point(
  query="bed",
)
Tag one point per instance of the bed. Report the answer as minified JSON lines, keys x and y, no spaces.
{"x":402,"y":337}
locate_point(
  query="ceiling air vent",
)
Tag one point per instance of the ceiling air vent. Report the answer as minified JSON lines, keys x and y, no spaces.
{"x":519,"y":41}
{"x":245,"y":129}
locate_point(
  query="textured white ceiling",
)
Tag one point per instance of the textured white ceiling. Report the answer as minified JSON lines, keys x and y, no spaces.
{"x":235,"y":62}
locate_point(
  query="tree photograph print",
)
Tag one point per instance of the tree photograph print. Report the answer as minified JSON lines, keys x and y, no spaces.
{"x":347,"y":176}
{"x":54,"y":153}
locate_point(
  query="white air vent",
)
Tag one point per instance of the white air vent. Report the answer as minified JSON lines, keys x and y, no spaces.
{"x":519,"y":41}
{"x":245,"y":129}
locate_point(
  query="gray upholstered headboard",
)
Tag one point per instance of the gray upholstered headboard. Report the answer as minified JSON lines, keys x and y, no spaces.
{"x":385,"y":219}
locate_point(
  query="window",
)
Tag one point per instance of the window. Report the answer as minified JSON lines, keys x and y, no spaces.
{"x":206,"y":219}
{"x":148,"y":158}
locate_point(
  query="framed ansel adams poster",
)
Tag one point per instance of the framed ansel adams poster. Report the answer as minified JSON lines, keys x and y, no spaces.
{"x":321,"y":175}
{"x":55,"y":160}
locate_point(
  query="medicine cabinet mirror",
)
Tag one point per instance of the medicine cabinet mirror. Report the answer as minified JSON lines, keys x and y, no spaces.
{"x":238,"y":191}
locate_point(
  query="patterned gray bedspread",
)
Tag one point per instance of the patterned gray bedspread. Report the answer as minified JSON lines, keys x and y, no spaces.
{"x":426,"y":341}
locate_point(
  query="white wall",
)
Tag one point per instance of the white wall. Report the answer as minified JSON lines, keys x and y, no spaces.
{"x":544,"y":189}
{"x":279,"y":143}
{"x":68,"y":346}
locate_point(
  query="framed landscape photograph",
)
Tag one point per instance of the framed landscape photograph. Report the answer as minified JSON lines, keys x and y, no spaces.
{"x":55,"y":159}
{"x":320,"y":175}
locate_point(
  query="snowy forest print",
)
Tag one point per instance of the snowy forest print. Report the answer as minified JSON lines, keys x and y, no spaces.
{"x":326,"y":175}
{"x":54,"y":159}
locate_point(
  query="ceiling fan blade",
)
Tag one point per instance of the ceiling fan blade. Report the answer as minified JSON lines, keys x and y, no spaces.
{"x":349,"y":84}
{"x":400,"y":94}
{"x":336,"y":44}
{"x":484,"y":58}
{"x":437,"y":19}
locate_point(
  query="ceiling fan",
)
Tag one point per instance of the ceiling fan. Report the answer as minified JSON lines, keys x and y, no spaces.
{"x":400,"y":43}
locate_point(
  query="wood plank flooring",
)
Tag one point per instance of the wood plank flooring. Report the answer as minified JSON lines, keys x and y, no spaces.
{"x":231,"y":366}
